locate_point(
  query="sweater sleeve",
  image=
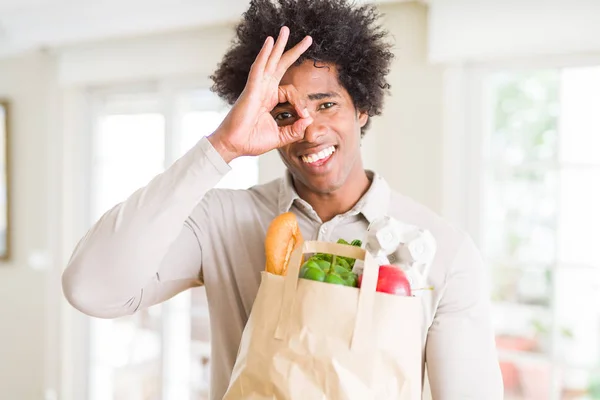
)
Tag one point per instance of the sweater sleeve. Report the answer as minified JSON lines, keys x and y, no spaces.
{"x":143,"y":251}
{"x":461,"y":356}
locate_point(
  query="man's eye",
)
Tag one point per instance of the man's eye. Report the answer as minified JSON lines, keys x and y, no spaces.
{"x":282,"y":116}
{"x":326,"y":105}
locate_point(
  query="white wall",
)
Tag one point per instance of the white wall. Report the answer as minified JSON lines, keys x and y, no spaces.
{"x":170,"y":55}
{"x":476,"y":30}
{"x":26,"y":82}
{"x":405,"y":143}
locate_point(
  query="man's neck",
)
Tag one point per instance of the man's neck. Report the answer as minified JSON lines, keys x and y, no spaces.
{"x":338,"y":202}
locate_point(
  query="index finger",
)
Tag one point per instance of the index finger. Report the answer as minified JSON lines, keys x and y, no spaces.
{"x":290,"y":56}
{"x":261,"y":60}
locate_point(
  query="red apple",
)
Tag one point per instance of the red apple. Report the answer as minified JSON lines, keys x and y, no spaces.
{"x":391,"y":280}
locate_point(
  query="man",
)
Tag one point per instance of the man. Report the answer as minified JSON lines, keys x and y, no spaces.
{"x":312,"y":102}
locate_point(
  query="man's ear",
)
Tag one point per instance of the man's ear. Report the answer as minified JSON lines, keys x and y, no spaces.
{"x":363,"y":117}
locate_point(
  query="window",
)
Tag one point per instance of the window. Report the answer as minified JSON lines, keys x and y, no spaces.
{"x":161,"y":353}
{"x":539,"y":224}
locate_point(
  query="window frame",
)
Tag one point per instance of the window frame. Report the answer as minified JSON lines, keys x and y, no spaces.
{"x":168,"y":92}
{"x":465,"y":128}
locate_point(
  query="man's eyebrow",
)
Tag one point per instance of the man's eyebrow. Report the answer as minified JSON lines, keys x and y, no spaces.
{"x":313,"y":97}
{"x":321,"y":96}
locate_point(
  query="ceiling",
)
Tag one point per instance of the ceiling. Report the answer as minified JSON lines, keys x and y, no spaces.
{"x":34,"y":24}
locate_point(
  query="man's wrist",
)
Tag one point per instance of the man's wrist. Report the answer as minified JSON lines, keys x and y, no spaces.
{"x":222,"y":147}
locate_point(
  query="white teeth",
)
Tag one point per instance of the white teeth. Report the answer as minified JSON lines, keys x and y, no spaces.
{"x":311,"y":158}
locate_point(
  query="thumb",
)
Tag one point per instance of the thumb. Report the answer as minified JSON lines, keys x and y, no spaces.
{"x":295,"y":132}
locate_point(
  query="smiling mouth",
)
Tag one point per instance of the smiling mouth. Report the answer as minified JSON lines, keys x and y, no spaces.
{"x":318,"y":157}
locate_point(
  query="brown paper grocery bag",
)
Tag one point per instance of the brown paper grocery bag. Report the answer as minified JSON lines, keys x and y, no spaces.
{"x":309,"y":340}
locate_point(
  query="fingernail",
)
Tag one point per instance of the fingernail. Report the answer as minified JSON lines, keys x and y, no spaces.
{"x":305,"y":113}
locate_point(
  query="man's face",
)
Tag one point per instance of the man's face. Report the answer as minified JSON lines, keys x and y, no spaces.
{"x":330,"y":150}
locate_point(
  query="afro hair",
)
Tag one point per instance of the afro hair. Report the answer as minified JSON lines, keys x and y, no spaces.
{"x":345,"y":35}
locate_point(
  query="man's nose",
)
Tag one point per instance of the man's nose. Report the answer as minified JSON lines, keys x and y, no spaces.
{"x":313,"y":133}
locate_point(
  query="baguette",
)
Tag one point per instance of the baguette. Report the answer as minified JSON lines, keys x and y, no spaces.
{"x":283,"y":237}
